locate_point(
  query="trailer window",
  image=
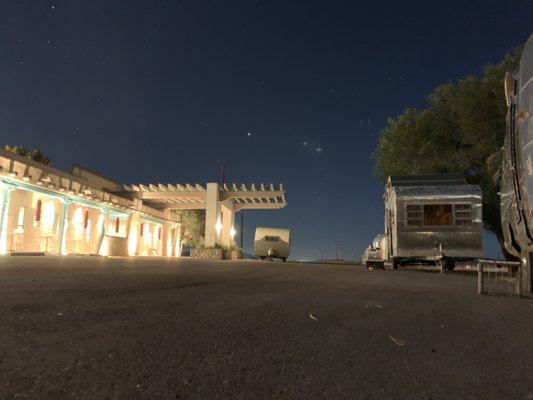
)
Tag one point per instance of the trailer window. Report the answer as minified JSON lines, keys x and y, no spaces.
{"x":438,"y":214}
{"x":272,"y":238}
{"x":414,"y":214}
{"x":462,"y":214}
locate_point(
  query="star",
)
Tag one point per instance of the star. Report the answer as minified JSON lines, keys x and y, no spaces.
{"x":304,"y":144}
{"x":319,"y":149}
{"x":53,"y":7}
{"x":249,"y":133}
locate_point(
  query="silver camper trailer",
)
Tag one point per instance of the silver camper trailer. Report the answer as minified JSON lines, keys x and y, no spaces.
{"x":429,"y":218}
{"x":516,"y":197}
{"x":272,"y":243}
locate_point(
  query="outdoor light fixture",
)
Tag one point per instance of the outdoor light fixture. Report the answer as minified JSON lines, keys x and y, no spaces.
{"x":48,"y":217}
{"x":232,"y":232}
{"x":218,"y":227}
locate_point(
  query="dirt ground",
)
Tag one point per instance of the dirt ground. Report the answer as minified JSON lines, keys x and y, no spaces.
{"x":96,"y":328}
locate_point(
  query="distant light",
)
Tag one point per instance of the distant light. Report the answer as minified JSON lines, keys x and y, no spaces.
{"x":218,"y":227}
{"x":232,"y":232}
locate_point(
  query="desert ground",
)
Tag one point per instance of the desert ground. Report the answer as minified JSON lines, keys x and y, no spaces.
{"x":139,"y":328}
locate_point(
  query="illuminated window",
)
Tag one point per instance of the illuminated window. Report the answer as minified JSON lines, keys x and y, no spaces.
{"x":438,"y":215}
{"x":117,"y":224}
{"x":21,"y":218}
{"x":462,"y":214}
{"x":272,"y":238}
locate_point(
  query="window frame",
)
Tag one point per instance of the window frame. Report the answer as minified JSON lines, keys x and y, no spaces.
{"x":462,"y":211}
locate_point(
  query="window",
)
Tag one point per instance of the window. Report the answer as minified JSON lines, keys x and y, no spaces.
{"x":462,"y":214}
{"x":414,"y":214}
{"x":272,"y":238}
{"x":438,"y":214}
{"x":21,"y":218}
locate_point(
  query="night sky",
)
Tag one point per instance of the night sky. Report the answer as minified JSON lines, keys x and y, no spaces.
{"x":281,"y":91}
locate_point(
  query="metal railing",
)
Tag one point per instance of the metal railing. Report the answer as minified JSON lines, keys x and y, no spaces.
{"x":499,"y":277}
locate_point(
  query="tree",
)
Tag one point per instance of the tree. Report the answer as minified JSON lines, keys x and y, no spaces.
{"x":35,"y":155}
{"x":461,"y":130}
{"x":193,"y":227}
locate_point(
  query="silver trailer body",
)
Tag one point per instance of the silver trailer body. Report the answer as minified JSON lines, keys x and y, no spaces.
{"x":430,"y":217}
{"x":272,"y":243}
{"x":516,"y":200}
{"x":376,"y":253}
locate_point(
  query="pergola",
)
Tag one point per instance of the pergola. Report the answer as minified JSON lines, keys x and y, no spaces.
{"x":221,"y":202}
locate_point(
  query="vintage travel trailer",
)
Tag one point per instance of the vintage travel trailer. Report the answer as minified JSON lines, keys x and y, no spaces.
{"x":430,"y":218}
{"x":516,"y":197}
{"x":270,"y":243}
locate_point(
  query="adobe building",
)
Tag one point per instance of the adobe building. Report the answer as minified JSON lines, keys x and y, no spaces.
{"x":45,"y":210}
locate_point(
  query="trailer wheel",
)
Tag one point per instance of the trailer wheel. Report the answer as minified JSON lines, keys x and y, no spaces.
{"x":284,"y":259}
{"x":395,"y":263}
{"x":262,"y":258}
{"x":445,"y":265}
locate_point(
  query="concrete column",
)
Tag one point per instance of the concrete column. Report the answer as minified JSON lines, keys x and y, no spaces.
{"x":166,"y":236}
{"x":102,"y":233}
{"x":177,"y":240}
{"x":228,"y":222}
{"x":5,"y":194}
{"x":212,"y":214}
{"x":132,"y":233}
{"x":63,"y":229}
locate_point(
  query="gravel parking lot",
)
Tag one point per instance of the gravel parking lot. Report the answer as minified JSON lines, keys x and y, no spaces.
{"x":96,"y":328}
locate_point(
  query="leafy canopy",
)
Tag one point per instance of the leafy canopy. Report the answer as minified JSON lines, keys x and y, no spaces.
{"x":35,"y":155}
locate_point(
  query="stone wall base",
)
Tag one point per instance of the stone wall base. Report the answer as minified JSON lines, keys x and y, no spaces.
{"x":206,"y":254}
{"x":215,"y":254}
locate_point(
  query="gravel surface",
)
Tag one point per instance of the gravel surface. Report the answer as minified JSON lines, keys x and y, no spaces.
{"x":96,"y":328}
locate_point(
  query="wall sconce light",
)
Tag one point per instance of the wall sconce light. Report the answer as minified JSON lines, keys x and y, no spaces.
{"x":218,"y":227}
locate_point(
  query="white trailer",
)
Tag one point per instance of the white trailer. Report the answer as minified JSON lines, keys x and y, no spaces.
{"x":272,"y":243}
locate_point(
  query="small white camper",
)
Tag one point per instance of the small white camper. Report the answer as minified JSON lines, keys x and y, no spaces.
{"x":272,"y":243}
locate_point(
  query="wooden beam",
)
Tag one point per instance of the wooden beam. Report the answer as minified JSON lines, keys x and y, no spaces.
{"x":172,"y":195}
{"x":250,"y":194}
{"x":258,"y":206}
